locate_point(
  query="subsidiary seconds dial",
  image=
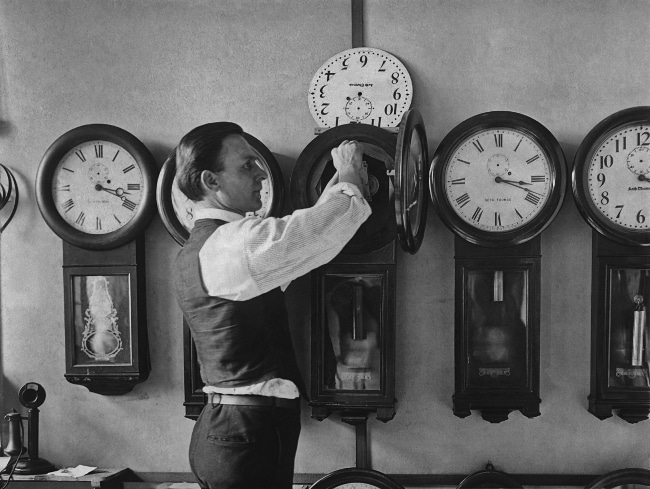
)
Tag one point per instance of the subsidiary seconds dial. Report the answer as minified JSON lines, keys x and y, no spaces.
{"x":498,"y":178}
{"x":363,"y":85}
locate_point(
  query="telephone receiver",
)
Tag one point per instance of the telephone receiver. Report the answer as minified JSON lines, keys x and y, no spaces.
{"x":31,"y":395}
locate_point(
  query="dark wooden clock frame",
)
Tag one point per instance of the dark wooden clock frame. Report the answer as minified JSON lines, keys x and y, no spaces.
{"x":489,"y":386}
{"x":631,"y":402}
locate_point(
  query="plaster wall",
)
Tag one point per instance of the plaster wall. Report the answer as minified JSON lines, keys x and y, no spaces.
{"x":157,"y":68}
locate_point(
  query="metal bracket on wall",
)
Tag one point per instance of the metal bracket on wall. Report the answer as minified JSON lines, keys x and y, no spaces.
{"x":8,"y":195}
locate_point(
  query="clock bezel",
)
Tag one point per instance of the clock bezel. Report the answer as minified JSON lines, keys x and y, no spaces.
{"x":490,"y":121}
{"x":45,"y":197}
{"x":581,"y":163}
{"x":356,"y":475}
{"x":168,"y":172}
{"x":412,"y":123}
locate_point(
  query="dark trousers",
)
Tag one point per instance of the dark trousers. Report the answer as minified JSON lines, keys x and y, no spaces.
{"x":245,"y":447}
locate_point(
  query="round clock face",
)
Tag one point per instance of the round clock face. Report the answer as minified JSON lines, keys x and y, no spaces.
{"x":497,"y":178}
{"x":95,"y":186}
{"x":612,"y":176}
{"x":362,"y":85}
{"x":178,"y":212}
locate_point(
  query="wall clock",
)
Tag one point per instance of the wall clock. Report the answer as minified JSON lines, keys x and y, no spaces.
{"x":95,"y":189}
{"x":356,"y":478}
{"x":353,"y":297}
{"x":498,"y":180}
{"x":364,"y":85}
{"x":177,"y":214}
{"x":611,"y":187}
{"x":177,"y":211}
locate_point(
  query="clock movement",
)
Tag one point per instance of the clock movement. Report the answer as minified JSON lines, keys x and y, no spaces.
{"x":353,"y":296}
{"x":498,"y":180}
{"x":364,"y":85}
{"x":177,"y":214}
{"x":611,"y":187}
{"x":95,"y":189}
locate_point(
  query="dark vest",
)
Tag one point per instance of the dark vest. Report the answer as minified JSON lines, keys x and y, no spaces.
{"x":238,"y":343}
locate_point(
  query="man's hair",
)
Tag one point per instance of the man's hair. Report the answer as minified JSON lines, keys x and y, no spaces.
{"x":199,"y":150}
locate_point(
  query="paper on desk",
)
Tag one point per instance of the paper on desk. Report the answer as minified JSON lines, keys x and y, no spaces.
{"x":78,"y":471}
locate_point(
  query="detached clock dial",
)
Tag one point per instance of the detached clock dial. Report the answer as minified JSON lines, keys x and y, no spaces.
{"x":360,"y":85}
{"x":611,"y":177}
{"x":356,"y":478}
{"x":499,"y":178}
{"x":95,"y":186}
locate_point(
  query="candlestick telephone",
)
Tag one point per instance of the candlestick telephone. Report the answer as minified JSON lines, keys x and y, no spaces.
{"x":31,"y":396}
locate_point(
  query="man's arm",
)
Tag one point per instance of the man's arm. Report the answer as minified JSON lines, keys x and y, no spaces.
{"x":247,"y":258}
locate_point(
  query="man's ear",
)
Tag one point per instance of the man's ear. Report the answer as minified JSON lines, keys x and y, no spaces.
{"x":210,"y":180}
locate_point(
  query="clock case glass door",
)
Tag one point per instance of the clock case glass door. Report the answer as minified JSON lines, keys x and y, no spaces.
{"x":620,"y":336}
{"x":353,"y":297}
{"x":497,"y":330}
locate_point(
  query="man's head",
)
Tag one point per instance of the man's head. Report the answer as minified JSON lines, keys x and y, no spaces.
{"x":215,"y":165}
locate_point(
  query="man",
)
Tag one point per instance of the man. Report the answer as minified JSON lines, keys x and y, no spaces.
{"x":229,"y":280}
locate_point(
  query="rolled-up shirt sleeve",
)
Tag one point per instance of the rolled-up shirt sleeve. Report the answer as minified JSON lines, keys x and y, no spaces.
{"x":251,"y":256}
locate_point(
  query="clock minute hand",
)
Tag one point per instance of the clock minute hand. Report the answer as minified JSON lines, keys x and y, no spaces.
{"x":118,"y":192}
{"x":516,"y":184}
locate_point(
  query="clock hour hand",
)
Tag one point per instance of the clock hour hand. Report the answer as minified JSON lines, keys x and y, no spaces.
{"x":644,"y":178}
{"x":511,"y":182}
{"x":118,"y":192}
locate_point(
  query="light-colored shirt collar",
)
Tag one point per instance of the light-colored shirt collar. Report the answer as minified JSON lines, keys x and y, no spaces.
{"x":222,"y":215}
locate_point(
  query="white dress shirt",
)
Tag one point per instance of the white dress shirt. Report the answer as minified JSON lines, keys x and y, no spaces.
{"x":249,"y":256}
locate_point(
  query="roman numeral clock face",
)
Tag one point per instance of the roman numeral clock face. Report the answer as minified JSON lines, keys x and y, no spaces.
{"x":498,"y":178}
{"x":97,"y":187}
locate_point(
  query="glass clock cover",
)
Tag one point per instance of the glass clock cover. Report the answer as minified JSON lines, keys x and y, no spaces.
{"x":399,"y":204}
{"x":629,"y":335}
{"x":95,"y":186}
{"x":611,"y":177}
{"x":360,"y":85}
{"x":498,"y":179}
{"x":177,"y":211}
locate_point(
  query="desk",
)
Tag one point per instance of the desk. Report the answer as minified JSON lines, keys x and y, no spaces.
{"x":98,"y":479}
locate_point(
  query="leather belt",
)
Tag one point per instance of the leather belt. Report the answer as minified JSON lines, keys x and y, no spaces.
{"x":252,"y":400}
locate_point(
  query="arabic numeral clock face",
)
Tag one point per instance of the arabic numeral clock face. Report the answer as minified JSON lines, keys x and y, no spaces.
{"x":360,"y":85}
{"x":95,"y":186}
{"x":498,"y":179}
{"x":612,"y":176}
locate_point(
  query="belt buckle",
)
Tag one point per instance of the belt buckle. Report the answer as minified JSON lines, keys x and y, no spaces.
{"x":214,"y":395}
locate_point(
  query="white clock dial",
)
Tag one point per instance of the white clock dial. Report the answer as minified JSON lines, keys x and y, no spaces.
{"x":363,"y":85}
{"x":618,"y":177}
{"x":97,"y":187}
{"x":497,"y":179}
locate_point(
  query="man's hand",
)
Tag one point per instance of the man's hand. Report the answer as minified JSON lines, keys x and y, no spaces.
{"x":347,"y":158}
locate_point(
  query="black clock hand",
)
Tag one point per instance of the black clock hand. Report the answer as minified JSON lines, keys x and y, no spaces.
{"x":520,"y":182}
{"x":644,"y":178}
{"x":118,"y":192}
{"x":516,"y":184}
